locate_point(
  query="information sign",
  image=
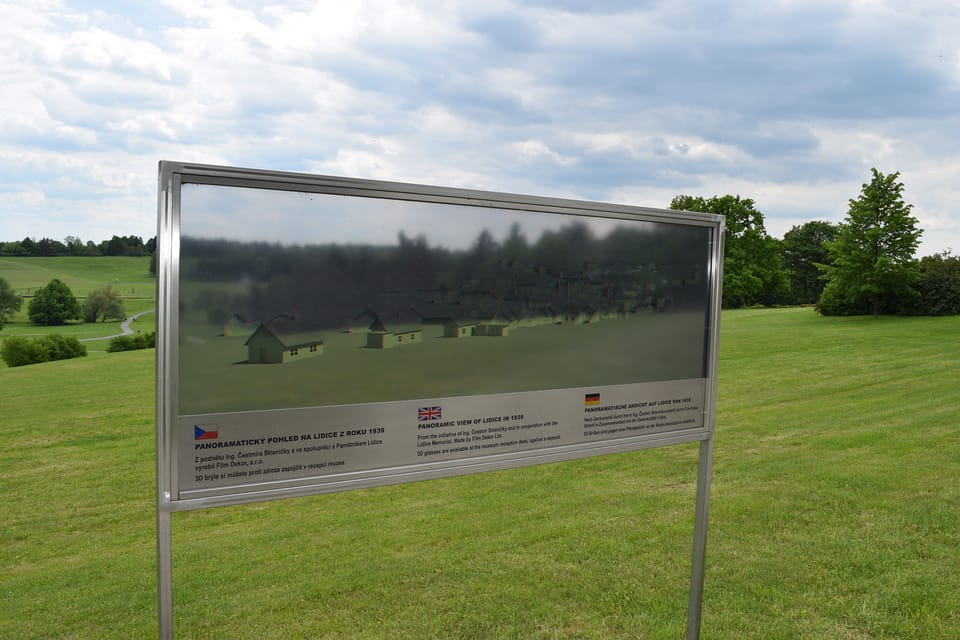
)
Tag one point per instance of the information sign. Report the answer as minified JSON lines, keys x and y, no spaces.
{"x":318,"y":334}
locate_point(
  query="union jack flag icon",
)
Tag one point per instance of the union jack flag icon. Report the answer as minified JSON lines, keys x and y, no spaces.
{"x":425,"y":414}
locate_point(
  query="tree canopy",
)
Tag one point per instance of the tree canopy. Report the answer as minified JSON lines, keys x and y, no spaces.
{"x":752,"y":271}
{"x":873,"y":267}
{"x":939,"y":284}
{"x":53,"y":304}
{"x":103,"y":304}
{"x":10,"y":302}
{"x":804,"y":247}
{"x":73,"y":246}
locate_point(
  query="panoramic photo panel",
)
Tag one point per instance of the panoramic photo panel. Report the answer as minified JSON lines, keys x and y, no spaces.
{"x":294,"y":299}
{"x":333,"y":333}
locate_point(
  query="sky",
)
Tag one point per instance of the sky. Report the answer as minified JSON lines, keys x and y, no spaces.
{"x":789,"y":103}
{"x":297,"y":218}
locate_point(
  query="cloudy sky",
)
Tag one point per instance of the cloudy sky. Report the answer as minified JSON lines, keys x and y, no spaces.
{"x":630,"y":101}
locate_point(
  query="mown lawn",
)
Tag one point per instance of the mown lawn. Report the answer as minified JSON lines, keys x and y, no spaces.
{"x":835,"y":514}
{"x":129,"y":276}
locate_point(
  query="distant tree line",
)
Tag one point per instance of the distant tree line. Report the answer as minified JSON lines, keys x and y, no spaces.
{"x":866,"y":264}
{"x":74,"y":246}
{"x":328,"y":285}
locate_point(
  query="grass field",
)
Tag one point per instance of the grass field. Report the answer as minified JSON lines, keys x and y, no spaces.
{"x":835,"y":514}
{"x":614,"y":351}
{"x":129,"y":276}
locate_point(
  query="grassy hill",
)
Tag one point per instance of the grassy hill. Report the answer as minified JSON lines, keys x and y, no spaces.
{"x":82,"y":274}
{"x":835,"y":514}
{"x":129,"y":276}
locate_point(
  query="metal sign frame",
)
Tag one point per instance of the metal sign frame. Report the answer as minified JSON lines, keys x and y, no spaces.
{"x":177,"y":491}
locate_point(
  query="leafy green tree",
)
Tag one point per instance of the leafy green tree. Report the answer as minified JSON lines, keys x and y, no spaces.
{"x":10,"y":302}
{"x":74,"y":245}
{"x":873,"y":265}
{"x":124,"y":246}
{"x":939,"y":284}
{"x":103,"y":304}
{"x":50,"y":247}
{"x":14,"y":248}
{"x":804,"y":247}
{"x":752,"y":271}
{"x":53,"y":304}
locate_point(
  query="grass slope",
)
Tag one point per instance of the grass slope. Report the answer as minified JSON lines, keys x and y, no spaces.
{"x":81,"y":274}
{"x":129,"y":276}
{"x":835,"y":514}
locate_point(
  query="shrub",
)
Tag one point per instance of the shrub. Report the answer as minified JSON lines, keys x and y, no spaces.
{"x":18,"y":351}
{"x":134,"y":342}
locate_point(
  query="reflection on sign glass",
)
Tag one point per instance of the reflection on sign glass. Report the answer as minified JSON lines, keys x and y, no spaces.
{"x":302,"y":300}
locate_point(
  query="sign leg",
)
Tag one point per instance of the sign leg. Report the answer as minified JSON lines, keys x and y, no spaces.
{"x":164,"y":575}
{"x":704,"y":472}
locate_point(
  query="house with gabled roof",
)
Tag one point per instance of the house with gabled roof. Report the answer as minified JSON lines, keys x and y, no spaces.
{"x":389,"y":339}
{"x":270,"y":346}
{"x":462,"y":328}
{"x":380,"y":337}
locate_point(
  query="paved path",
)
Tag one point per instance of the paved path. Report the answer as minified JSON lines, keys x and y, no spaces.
{"x":125,"y":329}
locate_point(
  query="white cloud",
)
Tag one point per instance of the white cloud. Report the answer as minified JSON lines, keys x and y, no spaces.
{"x":789,"y":103}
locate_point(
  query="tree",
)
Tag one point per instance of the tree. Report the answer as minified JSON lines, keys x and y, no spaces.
{"x":103,"y":304}
{"x":124,"y":246}
{"x":50,"y":247}
{"x":29,"y":245}
{"x":53,"y":304}
{"x":873,"y":255}
{"x":74,"y":245}
{"x":804,"y":247}
{"x":10,"y":302}
{"x":752,"y":271}
{"x":939,"y":284}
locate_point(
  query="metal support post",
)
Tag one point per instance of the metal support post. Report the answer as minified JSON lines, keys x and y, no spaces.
{"x":164,"y":574}
{"x":704,"y":472}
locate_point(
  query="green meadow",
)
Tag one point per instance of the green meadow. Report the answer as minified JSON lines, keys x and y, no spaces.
{"x":215,"y":376}
{"x":82,"y":275}
{"x":130,"y":276}
{"x":835,"y":514}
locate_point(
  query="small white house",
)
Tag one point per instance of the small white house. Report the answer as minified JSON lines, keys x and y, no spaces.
{"x":266,"y":347}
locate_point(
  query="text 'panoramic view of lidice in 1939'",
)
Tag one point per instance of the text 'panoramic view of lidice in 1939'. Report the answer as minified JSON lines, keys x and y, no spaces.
{"x":353,"y":300}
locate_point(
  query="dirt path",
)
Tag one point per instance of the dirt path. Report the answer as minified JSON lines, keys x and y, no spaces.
{"x":125,"y":329}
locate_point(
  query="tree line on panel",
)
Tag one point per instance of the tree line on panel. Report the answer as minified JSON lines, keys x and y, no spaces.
{"x":566,"y":272}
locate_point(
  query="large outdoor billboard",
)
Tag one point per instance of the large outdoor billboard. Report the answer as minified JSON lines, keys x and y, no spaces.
{"x":318,"y":333}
